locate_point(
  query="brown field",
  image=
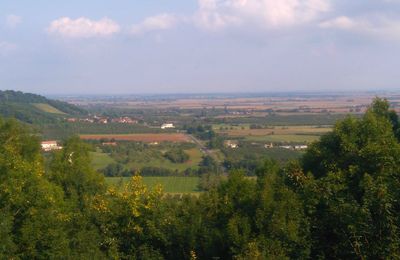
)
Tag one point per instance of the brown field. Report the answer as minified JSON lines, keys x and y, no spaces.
{"x":139,"y":137}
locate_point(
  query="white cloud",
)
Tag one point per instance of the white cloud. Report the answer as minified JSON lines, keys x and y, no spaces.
{"x":83,"y":27}
{"x":376,"y":26}
{"x":13,"y":21}
{"x":216,"y":14}
{"x":7,"y":48}
{"x":155,"y":23}
{"x":342,"y":22}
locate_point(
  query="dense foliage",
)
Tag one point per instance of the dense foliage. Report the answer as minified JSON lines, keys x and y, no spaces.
{"x":339,"y":201}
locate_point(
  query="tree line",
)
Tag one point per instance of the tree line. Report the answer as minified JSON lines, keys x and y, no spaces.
{"x":339,"y":201}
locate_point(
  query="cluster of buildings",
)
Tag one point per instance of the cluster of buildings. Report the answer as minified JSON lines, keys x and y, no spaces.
{"x":48,"y":146}
{"x":103,"y":120}
{"x":231,"y":144}
{"x":167,"y":125}
{"x":294,"y":147}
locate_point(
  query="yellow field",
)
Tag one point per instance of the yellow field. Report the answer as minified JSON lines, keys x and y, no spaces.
{"x":47,"y":108}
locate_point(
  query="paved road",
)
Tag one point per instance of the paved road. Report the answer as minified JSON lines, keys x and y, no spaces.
{"x":203,"y":148}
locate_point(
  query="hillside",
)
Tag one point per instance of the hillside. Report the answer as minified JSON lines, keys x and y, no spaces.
{"x":32,"y":108}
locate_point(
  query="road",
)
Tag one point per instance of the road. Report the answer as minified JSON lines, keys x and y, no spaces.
{"x":203,"y":148}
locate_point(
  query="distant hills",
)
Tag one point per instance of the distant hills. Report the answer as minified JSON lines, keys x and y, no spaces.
{"x":32,"y":108}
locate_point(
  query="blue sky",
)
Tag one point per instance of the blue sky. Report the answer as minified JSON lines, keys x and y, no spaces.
{"x":192,"y":46}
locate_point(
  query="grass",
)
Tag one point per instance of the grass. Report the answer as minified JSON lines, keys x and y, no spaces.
{"x":48,"y":109}
{"x":277,"y":133}
{"x":170,"y":184}
{"x":300,"y":138}
{"x":149,"y":158}
{"x":100,"y":160}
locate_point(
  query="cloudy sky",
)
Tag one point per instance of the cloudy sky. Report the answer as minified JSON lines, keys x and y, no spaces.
{"x":194,"y":46}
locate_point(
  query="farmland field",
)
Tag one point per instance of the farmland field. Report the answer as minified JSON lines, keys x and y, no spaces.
{"x":284,"y":138}
{"x":47,"y":108}
{"x":169,"y":184}
{"x":276,"y":133}
{"x":173,"y":137}
{"x":151,"y":158}
{"x":100,"y":160}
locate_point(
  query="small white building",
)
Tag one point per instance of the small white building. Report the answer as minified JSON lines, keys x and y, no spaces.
{"x":300,"y":147}
{"x":167,"y":125}
{"x":269,"y":146}
{"x":231,"y":144}
{"x":50,"y":145}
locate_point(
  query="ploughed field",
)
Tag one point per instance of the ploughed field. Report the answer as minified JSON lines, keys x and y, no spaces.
{"x":164,"y":137}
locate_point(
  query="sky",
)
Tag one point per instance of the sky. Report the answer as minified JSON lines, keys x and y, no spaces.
{"x":199,"y":46}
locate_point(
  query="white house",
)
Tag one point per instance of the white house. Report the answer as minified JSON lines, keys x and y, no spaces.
{"x":231,"y":144}
{"x":167,"y":125}
{"x":50,"y":145}
{"x":300,"y":147}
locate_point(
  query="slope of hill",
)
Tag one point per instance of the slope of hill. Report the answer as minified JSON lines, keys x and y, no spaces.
{"x":32,"y":108}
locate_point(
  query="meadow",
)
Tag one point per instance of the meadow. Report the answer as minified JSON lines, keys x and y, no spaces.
{"x":100,"y":160}
{"x":48,"y":108}
{"x":144,"y":156}
{"x":288,"y":134}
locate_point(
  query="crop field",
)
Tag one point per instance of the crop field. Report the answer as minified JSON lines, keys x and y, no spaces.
{"x":170,"y":184}
{"x":284,"y":138}
{"x":275,"y":134}
{"x":163,"y":137}
{"x":47,"y":108}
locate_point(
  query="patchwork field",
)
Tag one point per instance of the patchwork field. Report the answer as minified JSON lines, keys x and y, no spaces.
{"x":174,"y":137}
{"x":169,"y":184}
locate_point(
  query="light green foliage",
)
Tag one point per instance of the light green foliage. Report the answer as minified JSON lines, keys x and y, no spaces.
{"x":170,"y":184}
{"x":30,"y":207}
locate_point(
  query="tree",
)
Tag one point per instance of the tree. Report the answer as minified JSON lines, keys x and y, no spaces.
{"x":351,"y":193}
{"x":70,"y":169}
{"x":31,"y":208}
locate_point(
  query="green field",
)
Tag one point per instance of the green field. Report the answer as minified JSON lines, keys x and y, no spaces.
{"x":284,"y":138}
{"x":170,"y":184}
{"x":156,"y":159}
{"x":100,"y":160}
{"x":47,"y":108}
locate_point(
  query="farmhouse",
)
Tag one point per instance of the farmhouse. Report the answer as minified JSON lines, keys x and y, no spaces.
{"x":231,"y":144}
{"x":167,"y":125}
{"x":109,"y":144}
{"x":50,"y":145}
{"x":124,"y":120}
{"x":269,"y":146}
{"x":300,"y":147}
